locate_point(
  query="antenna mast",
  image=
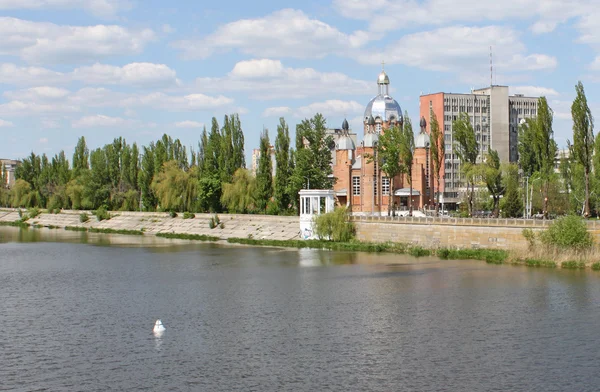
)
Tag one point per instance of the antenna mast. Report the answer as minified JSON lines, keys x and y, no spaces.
{"x":491,"y":68}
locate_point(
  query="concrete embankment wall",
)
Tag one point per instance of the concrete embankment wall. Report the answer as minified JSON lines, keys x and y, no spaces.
{"x":240,"y":226}
{"x":464,"y":233}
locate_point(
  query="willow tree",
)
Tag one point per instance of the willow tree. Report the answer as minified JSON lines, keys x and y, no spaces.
{"x":238,"y":195}
{"x":438,"y":151}
{"x":407,"y":149}
{"x":583,"y":140}
{"x":467,"y":149}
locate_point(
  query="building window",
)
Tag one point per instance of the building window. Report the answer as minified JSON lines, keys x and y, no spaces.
{"x":385,"y":185}
{"x":375,"y":186}
{"x":356,"y":186}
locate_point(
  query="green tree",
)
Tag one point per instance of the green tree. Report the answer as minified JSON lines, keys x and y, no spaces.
{"x":282,"y":164}
{"x":492,"y":176}
{"x":170,"y":186}
{"x":407,"y":149}
{"x":238,"y":196}
{"x":512,"y":204}
{"x":438,"y":152}
{"x":81,"y":157}
{"x":264,"y":174}
{"x":312,"y":157}
{"x":545,"y":148}
{"x":583,"y":140}
{"x":467,"y":149}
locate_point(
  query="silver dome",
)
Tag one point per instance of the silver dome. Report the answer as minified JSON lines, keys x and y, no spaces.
{"x":371,"y":139}
{"x":422,"y":140}
{"x":384,"y":107}
{"x":345,"y":143}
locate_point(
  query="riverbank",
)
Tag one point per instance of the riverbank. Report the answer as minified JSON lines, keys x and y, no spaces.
{"x":272,"y":231}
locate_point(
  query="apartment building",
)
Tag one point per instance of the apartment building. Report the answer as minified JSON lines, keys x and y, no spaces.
{"x":495,"y":116}
{"x":9,"y":170}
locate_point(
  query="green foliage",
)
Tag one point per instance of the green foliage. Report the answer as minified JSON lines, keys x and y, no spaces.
{"x":75,"y":228}
{"x":389,"y":153}
{"x":214,"y":221}
{"x":540,"y":263}
{"x":596,"y":266}
{"x":494,"y":256}
{"x":572,"y":264}
{"x":115,"y":231}
{"x":282,"y":163}
{"x":568,"y":232}
{"x":264,"y":174}
{"x":102,"y":214}
{"x":407,"y":149}
{"x":238,"y":196}
{"x":335,"y":226}
{"x":19,"y":223}
{"x":222,"y":225}
{"x":418,"y":251}
{"x":492,"y":176}
{"x":33,"y":212}
{"x":466,"y":148}
{"x":181,"y":236}
{"x":188,"y":215}
{"x":512,"y":202}
{"x":172,"y":214}
{"x":438,"y":152}
{"x":83,"y":217}
{"x":530,"y":237}
{"x":583,"y":139}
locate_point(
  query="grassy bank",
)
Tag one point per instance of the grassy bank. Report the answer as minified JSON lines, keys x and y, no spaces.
{"x":21,"y":224}
{"x":194,"y":237}
{"x":104,"y":231}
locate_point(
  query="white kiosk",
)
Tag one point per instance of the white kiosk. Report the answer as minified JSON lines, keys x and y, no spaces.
{"x":313,"y":202}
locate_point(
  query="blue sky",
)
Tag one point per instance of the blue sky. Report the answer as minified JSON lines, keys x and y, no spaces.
{"x":138,"y":69}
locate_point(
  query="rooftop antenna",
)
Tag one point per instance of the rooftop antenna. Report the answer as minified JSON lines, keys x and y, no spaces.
{"x":491,"y":68}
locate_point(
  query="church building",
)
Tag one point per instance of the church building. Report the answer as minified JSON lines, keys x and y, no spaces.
{"x":360,"y":184}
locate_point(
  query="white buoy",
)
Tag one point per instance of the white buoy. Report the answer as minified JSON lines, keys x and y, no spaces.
{"x":159,"y":328}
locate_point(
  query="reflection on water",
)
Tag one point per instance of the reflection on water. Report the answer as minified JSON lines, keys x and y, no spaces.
{"x":268,"y":319}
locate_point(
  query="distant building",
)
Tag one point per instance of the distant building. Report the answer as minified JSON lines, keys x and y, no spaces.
{"x":495,"y":117}
{"x":9,"y":170}
{"x":256,"y":160}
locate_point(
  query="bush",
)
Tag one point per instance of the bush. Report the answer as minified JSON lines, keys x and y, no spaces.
{"x":102,"y":214}
{"x":530,"y":237}
{"x":172,"y":214}
{"x":33,"y":212}
{"x":568,"y":232}
{"x":596,"y":266}
{"x":222,"y":225}
{"x":83,"y":217}
{"x":335,"y":226}
{"x":540,"y":263}
{"x":54,"y":204}
{"x":573,"y":264}
{"x":188,"y":215}
{"x":214,"y":222}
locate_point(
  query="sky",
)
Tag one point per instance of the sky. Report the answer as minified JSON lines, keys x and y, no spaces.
{"x":138,"y":69}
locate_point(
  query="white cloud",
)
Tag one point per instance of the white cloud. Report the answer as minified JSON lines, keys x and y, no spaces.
{"x":387,"y":15}
{"x":269,"y":79}
{"x":168,"y":29}
{"x":5,"y":124}
{"x":595,"y":65}
{"x":102,"y":121}
{"x":104,"y":8}
{"x":330,"y":108}
{"x":462,"y":49}
{"x":37,"y":94}
{"x":43,"y":140}
{"x":134,"y":74}
{"x":189,"y":124}
{"x":21,"y":108}
{"x":40,"y":42}
{"x":284,"y":33}
{"x":533,"y":91}
{"x":188,"y":102}
{"x":279,"y":111}
{"x":15,"y":75}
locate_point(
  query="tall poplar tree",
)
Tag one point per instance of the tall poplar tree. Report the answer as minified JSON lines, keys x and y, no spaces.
{"x":545,"y":148}
{"x":467,"y":149}
{"x":81,"y":157}
{"x":407,"y":149}
{"x":264,"y":174}
{"x":438,"y":152}
{"x":282,"y":165}
{"x":492,"y":176}
{"x":583,"y":140}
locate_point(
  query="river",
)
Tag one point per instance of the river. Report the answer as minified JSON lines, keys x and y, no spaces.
{"x":77,"y":312}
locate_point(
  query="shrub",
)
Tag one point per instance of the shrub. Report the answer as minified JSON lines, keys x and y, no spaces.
{"x":188,"y":215}
{"x":530,"y":237}
{"x":172,"y":214}
{"x":418,"y":251}
{"x":573,"y":264}
{"x":596,"y":266}
{"x":20,"y":213}
{"x":568,"y":232}
{"x":540,"y":263}
{"x":211,"y":223}
{"x":102,"y":214}
{"x":335,"y":226}
{"x":83,"y":217}
{"x":55,"y":203}
{"x":33,"y":212}
{"x":217,"y":220}
{"x":222,"y":225}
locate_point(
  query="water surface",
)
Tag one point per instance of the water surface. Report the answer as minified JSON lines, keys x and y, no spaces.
{"x":77,"y":314}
